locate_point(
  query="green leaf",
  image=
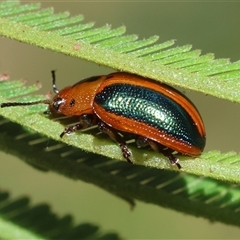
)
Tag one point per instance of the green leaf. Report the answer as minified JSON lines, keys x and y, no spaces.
{"x":213,"y":164}
{"x":179,"y":66}
{"x":16,"y":222}
{"x":198,"y":196}
{"x":163,"y":62}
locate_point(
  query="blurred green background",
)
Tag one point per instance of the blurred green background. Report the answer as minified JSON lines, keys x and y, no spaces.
{"x":209,"y":26}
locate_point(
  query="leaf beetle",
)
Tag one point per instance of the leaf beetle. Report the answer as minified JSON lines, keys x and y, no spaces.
{"x":155,"y":113}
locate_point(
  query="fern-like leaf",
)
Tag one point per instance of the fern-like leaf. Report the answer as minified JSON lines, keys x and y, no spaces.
{"x":19,"y":220}
{"x":194,"y":195}
{"x":163,"y":62}
{"x":111,"y":47}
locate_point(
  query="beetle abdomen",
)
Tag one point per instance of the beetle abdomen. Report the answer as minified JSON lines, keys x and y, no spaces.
{"x":153,"y":109}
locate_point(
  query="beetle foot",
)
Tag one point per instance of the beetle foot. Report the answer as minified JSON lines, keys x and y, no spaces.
{"x":142,"y":142}
{"x":71,"y":129}
{"x":168,"y":153}
{"x":85,"y":121}
{"x":126,"y":152}
{"x":173,"y":160}
{"x":103,"y":127}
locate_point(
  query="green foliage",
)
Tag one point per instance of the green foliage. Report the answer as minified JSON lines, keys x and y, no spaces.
{"x":199,"y":194}
{"x":18,"y":215}
{"x":179,"y":66}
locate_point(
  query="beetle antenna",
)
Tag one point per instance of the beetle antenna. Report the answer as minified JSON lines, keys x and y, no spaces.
{"x":13,"y":104}
{"x":54,"y":82}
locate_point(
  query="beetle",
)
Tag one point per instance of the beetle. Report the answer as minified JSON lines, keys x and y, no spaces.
{"x":156,"y":114}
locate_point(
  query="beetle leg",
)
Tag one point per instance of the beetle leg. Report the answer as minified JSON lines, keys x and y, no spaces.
{"x":117,"y":138}
{"x":85,"y":121}
{"x":143,"y":141}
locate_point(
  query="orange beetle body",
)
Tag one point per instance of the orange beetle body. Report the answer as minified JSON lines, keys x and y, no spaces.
{"x":156,"y":114}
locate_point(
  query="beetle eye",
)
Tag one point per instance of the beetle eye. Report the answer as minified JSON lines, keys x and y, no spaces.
{"x":57,"y":103}
{"x":72,"y":103}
